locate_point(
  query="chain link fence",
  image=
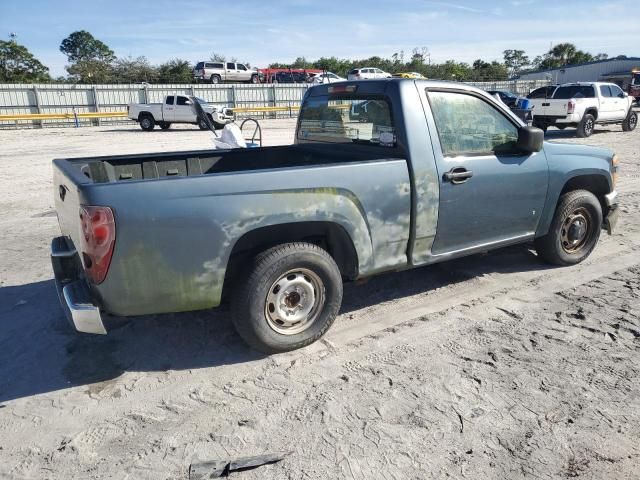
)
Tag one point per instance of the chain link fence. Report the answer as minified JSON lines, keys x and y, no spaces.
{"x":20,"y":99}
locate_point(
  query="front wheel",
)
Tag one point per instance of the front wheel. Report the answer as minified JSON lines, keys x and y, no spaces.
{"x":574,"y":231}
{"x":630,"y":122}
{"x":586,"y":126}
{"x":288,"y":299}
{"x":255,"y":79}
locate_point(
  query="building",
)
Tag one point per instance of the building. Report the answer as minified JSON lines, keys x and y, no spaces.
{"x":616,"y":70}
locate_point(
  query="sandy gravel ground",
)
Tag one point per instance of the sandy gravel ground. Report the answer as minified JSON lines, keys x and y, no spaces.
{"x":494,"y":366}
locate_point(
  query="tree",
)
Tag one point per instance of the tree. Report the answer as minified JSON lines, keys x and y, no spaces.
{"x":561,"y":55}
{"x":133,"y":70}
{"x":175,"y":71}
{"x":81,"y":45}
{"x":17,"y":64}
{"x":515,"y":61}
{"x":91,"y":60}
{"x":217,"y":57}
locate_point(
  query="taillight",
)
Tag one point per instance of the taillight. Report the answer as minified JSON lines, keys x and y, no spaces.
{"x":97,"y":241}
{"x":571,"y":106}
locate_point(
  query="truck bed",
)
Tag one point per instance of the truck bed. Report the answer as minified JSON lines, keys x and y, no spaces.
{"x":126,"y":168}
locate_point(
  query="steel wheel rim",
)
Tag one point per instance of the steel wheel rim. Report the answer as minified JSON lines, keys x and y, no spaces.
{"x":294,"y":301}
{"x":146,"y":123}
{"x":575,"y":230}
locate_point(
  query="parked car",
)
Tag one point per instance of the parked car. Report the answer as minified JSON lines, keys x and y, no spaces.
{"x":326,"y":77}
{"x":177,"y":109}
{"x":367,"y":74}
{"x":583,"y":106}
{"x":542,"y":92}
{"x":276,"y":230}
{"x":291,"y":77}
{"x":218,"y":72}
{"x":414,"y":75}
{"x":508,"y":98}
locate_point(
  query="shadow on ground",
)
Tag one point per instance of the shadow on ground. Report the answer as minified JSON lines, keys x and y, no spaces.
{"x":39,"y":352}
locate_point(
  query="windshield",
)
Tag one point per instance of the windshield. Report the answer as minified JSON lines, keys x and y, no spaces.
{"x":347,"y":119}
{"x":574,"y":91}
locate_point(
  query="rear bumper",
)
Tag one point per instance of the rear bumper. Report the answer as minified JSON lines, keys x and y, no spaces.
{"x":73,"y":292}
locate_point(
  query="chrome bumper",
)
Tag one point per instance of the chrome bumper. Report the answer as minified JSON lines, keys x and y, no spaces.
{"x":73,"y":292}
{"x":610,"y":198}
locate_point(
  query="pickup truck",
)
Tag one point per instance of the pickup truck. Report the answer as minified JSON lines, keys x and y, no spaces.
{"x":177,"y":109}
{"x":583,"y":105}
{"x":433,"y":172}
{"x":219,"y":72}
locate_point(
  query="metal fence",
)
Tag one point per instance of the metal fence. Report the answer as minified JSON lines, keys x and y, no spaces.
{"x":19,"y":99}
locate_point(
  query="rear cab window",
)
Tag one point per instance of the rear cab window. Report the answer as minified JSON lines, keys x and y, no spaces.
{"x":349,"y":118}
{"x":200,"y":66}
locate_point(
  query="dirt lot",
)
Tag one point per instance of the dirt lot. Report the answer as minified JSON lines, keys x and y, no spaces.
{"x":493,"y":366}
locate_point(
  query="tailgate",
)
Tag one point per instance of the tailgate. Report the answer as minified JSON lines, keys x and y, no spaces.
{"x":550,"y":107}
{"x":68,"y":181}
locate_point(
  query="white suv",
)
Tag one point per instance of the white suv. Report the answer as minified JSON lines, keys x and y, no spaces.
{"x":367,"y":73}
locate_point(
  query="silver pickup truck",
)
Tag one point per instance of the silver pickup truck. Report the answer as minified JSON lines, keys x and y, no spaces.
{"x":384,"y":175}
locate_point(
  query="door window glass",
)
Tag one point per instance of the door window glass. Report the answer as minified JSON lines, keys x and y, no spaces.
{"x":616,"y":91}
{"x":467,"y":125}
{"x":604,"y":91}
{"x":231,"y":66}
{"x":169,"y":101}
{"x":183,"y":101}
{"x":242,"y":67}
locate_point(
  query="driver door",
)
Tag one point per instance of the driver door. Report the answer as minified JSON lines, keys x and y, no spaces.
{"x":490,"y":192}
{"x":183,"y":111}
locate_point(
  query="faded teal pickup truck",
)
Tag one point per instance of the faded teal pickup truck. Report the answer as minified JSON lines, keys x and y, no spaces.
{"x":384,"y":175}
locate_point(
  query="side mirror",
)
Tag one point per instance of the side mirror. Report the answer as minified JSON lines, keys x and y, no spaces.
{"x":187,"y":102}
{"x":530,"y":139}
{"x":624,"y":95}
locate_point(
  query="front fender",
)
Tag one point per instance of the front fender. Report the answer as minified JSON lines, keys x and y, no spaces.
{"x":566,"y":163}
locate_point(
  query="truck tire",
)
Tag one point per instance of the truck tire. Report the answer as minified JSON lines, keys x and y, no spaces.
{"x":541,"y":125}
{"x":147,"y":122}
{"x":574,"y":231}
{"x":560,"y":126}
{"x":254,"y":79}
{"x":630,"y":122}
{"x":165,"y":125}
{"x":585,"y":126}
{"x":215,"y":79}
{"x":288,"y":298}
{"x":202,"y":125}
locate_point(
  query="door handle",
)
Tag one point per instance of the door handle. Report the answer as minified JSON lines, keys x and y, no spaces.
{"x":458,"y":175}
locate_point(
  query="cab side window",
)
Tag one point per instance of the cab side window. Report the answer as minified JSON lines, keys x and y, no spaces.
{"x":169,"y":100}
{"x":241,"y":67}
{"x":182,"y":101}
{"x":468,"y":125}
{"x":231,"y":66}
{"x":616,"y":91}
{"x":605,"y":91}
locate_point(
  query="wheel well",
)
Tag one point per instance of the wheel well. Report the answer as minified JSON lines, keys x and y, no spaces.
{"x":593,"y":112}
{"x":327,"y":235}
{"x":141,"y":115}
{"x":596,"y":184}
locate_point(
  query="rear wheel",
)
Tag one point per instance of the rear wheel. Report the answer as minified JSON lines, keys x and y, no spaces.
{"x":586,"y":126}
{"x":215,"y":79}
{"x":165,"y":125}
{"x":561,"y":127}
{"x":288,"y":299}
{"x":574,"y":231}
{"x":630,"y":122}
{"x":147,"y":122}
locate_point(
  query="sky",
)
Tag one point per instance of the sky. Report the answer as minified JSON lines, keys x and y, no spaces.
{"x":267,"y":31}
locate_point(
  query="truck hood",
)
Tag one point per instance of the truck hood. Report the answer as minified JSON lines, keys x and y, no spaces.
{"x":570,"y":149}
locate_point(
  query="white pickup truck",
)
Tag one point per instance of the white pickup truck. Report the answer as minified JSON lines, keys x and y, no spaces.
{"x":219,"y":72}
{"x":583,"y":105}
{"x":177,"y":109}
